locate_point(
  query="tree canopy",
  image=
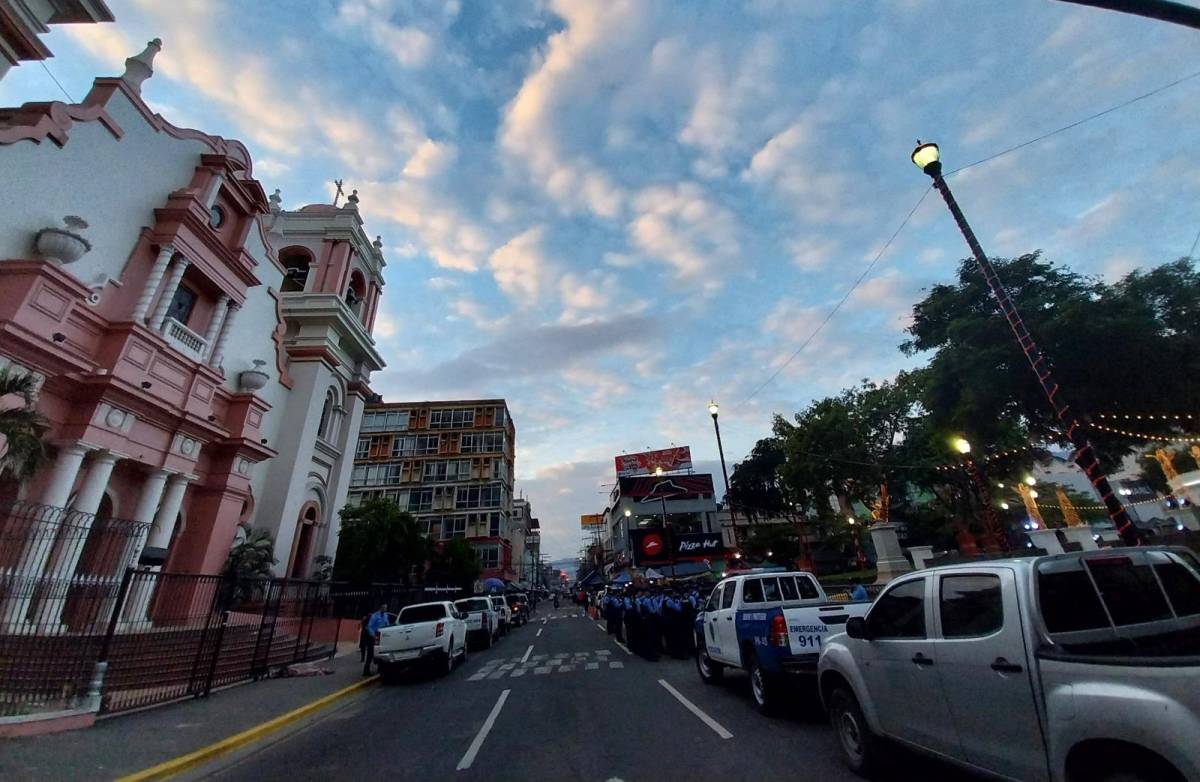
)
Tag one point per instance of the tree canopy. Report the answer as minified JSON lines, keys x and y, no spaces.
{"x":379,"y":542}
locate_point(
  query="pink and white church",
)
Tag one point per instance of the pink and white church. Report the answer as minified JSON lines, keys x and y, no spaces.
{"x":203,"y":355}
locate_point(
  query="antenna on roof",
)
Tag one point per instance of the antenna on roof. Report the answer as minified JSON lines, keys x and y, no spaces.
{"x":337,"y":196}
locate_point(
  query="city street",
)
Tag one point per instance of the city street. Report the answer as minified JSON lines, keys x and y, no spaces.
{"x":557,"y":700}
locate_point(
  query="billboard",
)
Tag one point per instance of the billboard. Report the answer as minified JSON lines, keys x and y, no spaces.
{"x":672,"y":487}
{"x":662,"y":547}
{"x":645,"y":463}
{"x":649,"y":547}
{"x":591,"y":520}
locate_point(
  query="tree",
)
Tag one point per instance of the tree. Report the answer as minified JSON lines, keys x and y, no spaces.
{"x":755,"y":488}
{"x":22,"y":448}
{"x":455,"y":564}
{"x":776,"y":543}
{"x":253,"y":556}
{"x":379,"y":542}
{"x":978,"y":377}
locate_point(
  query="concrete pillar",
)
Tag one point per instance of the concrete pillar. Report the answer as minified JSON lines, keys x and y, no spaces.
{"x":137,"y":604}
{"x":1082,"y":536}
{"x":889,"y":557}
{"x":156,"y":274}
{"x":164,"y":301}
{"x":43,"y":532}
{"x":147,"y":504}
{"x":1046,"y":539}
{"x":73,"y":539}
{"x":168,"y":512}
{"x":921,"y":555}
{"x":218,"y":351}
{"x":214,"y":325}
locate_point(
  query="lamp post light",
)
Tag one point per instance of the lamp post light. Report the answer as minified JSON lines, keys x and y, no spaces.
{"x":927,"y":157}
{"x":713,"y":410}
{"x":996,"y":539}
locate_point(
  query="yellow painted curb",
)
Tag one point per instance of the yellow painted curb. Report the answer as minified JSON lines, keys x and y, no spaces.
{"x":170,"y":768}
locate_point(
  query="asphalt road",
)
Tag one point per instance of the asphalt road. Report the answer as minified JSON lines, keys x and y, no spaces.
{"x":559,"y":700}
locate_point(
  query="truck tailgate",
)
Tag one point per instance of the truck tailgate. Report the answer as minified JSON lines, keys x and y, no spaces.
{"x":809,"y":626}
{"x":410,"y":637}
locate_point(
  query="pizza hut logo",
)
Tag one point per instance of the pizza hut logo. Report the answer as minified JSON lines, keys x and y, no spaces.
{"x":652,"y":545}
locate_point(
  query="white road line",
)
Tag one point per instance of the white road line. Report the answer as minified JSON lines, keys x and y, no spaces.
{"x":717,"y":727}
{"x":473,"y":750}
{"x":539,"y":635}
{"x":623,"y":646}
{"x":527,"y":653}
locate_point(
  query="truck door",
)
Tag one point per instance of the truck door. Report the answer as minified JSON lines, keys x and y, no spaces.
{"x":985,"y":672}
{"x":727,"y":626}
{"x":899,"y":666}
{"x":712,"y":620}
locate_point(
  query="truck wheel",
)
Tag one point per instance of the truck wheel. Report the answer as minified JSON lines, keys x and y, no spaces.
{"x":710,"y":672}
{"x":490,"y":639}
{"x":860,"y":747}
{"x":763,"y":688}
{"x":447,"y":664}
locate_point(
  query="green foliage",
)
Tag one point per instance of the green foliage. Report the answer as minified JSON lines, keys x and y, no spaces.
{"x":379,"y":542}
{"x":780,"y":539}
{"x":455,"y":564}
{"x":756,"y":490}
{"x":21,"y":427}
{"x":253,"y":557}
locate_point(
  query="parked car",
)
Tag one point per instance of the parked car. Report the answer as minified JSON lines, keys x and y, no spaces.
{"x":424,"y":633}
{"x":483,"y":626}
{"x":503,"y":613}
{"x":771,"y":625}
{"x":1074,"y":667}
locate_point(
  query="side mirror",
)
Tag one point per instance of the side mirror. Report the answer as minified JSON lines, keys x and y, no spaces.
{"x":856,"y":627}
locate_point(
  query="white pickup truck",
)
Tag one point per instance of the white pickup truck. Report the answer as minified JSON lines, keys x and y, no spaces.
{"x":770,"y":624}
{"x":483,"y":625}
{"x":427,"y":632}
{"x":1080,"y":667}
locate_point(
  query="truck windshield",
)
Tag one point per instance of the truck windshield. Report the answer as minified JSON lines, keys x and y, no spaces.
{"x":415,"y":614}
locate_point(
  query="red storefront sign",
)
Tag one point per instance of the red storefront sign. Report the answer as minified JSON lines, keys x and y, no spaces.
{"x":647,"y":462}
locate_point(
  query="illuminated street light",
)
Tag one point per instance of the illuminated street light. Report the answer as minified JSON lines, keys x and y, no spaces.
{"x":1004,"y":505}
{"x":961,"y":445}
{"x":628,"y":513}
{"x":1030,"y":480}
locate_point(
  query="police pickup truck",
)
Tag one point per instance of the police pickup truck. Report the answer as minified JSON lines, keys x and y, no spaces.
{"x":772,"y":625}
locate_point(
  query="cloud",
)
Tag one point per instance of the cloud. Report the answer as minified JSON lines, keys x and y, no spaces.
{"x":520,"y":267}
{"x":681,"y":226}
{"x":430,"y":159}
{"x":441,"y":283}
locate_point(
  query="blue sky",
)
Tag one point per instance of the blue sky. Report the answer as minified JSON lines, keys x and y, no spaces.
{"x":609,"y":213}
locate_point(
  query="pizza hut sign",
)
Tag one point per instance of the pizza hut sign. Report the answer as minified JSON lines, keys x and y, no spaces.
{"x":698,"y":545}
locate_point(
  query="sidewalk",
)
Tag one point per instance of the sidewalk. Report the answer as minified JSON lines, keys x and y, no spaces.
{"x":124,"y":744}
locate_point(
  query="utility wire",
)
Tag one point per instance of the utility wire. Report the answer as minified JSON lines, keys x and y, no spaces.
{"x":813,"y":335}
{"x":1076,"y":123}
{"x":56,"y":81}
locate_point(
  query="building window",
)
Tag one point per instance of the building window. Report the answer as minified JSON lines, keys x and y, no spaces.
{"x":296,"y":262}
{"x":448,"y":470}
{"x":451,"y":419}
{"x":500,"y":417}
{"x":499,"y":470}
{"x":376,"y":474}
{"x":216,"y":216}
{"x":363,"y":450}
{"x":325,"y":427}
{"x":420,"y":500}
{"x":489,"y":556}
{"x":454,"y":527}
{"x":385,"y":421}
{"x":488,"y":496}
{"x":182,"y":304}
{"x":482,"y":442}
{"x":419,"y":445}
{"x":495,"y":527}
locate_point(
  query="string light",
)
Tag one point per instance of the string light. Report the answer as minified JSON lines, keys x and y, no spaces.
{"x":1165,"y":438}
{"x":1145,"y":416}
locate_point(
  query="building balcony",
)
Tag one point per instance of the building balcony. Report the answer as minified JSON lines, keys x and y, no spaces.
{"x":185,"y":340}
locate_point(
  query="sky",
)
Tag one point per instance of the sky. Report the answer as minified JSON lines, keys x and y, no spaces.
{"x":609,"y":213}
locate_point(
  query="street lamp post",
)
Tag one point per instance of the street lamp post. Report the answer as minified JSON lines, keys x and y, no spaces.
{"x":713,"y":410}
{"x":997,"y":540}
{"x":928,"y":158}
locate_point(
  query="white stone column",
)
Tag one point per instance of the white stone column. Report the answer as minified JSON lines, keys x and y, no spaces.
{"x":1082,"y":536}
{"x":920,"y":556}
{"x":1046,"y":539}
{"x":164,"y":301}
{"x":218,"y":351}
{"x":137,"y":604}
{"x":156,"y":274}
{"x":214,"y":324}
{"x":43,"y":532}
{"x":73,"y":539}
{"x":889,"y":557}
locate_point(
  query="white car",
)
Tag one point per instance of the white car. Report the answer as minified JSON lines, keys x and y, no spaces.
{"x":483,"y":625}
{"x":503,"y":613}
{"x":426,"y":632}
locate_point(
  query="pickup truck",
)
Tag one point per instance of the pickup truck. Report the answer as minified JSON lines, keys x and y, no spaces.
{"x":423,"y":633}
{"x":772,"y":625}
{"x":503,"y":613}
{"x":1071,"y":668}
{"x":483,"y":626}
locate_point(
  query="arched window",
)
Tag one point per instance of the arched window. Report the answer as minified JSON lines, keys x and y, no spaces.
{"x":325,"y":429}
{"x":297,"y":262}
{"x":356,"y":293}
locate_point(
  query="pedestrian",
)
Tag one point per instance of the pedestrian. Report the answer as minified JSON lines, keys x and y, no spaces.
{"x":859,"y":593}
{"x":364,"y":638}
{"x":375,"y":622}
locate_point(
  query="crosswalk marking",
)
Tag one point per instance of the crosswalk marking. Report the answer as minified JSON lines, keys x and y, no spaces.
{"x":591,"y":666}
{"x":560,"y":662}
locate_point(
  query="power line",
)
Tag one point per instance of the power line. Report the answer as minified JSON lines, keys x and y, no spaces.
{"x":1076,"y":123}
{"x":838,"y":306}
{"x":56,"y":81}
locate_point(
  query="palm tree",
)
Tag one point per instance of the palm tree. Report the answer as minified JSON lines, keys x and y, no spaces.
{"x":22,"y":449}
{"x":253,"y":556}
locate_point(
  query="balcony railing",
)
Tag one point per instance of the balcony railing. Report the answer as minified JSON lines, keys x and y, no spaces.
{"x":187,"y":341}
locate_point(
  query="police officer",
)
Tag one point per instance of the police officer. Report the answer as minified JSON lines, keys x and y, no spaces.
{"x":651,"y":642}
{"x":630,"y":615}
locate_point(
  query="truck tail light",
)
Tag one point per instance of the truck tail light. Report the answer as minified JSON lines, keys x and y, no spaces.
{"x":441,"y":628}
{"x":378,"y":638}
{"x":778,"y":635}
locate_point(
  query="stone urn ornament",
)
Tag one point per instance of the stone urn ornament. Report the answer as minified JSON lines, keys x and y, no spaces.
{"x":253,"y":379}
{"x":63,"y":245}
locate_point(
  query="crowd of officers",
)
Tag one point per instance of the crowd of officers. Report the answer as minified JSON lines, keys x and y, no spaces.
{"x":654,"y":620}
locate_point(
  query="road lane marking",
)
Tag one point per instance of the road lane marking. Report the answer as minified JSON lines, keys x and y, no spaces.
{"x":717,"y":727}
{"x":616,"y":665}
{"x":473,"y":750}
{"x":527,"y":653}
{"x":539,"y":633}
{"x":623,"y":646}
{"x":591,"y":666}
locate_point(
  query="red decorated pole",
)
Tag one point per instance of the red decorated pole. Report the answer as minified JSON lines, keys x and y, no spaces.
{"x":1083,"y":454}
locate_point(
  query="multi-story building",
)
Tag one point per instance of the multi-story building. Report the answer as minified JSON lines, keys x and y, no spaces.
{"x":202,"y":354}
{"x":24,"y":22}
{"x":449,"y":464}
{"x":518,"y":529}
